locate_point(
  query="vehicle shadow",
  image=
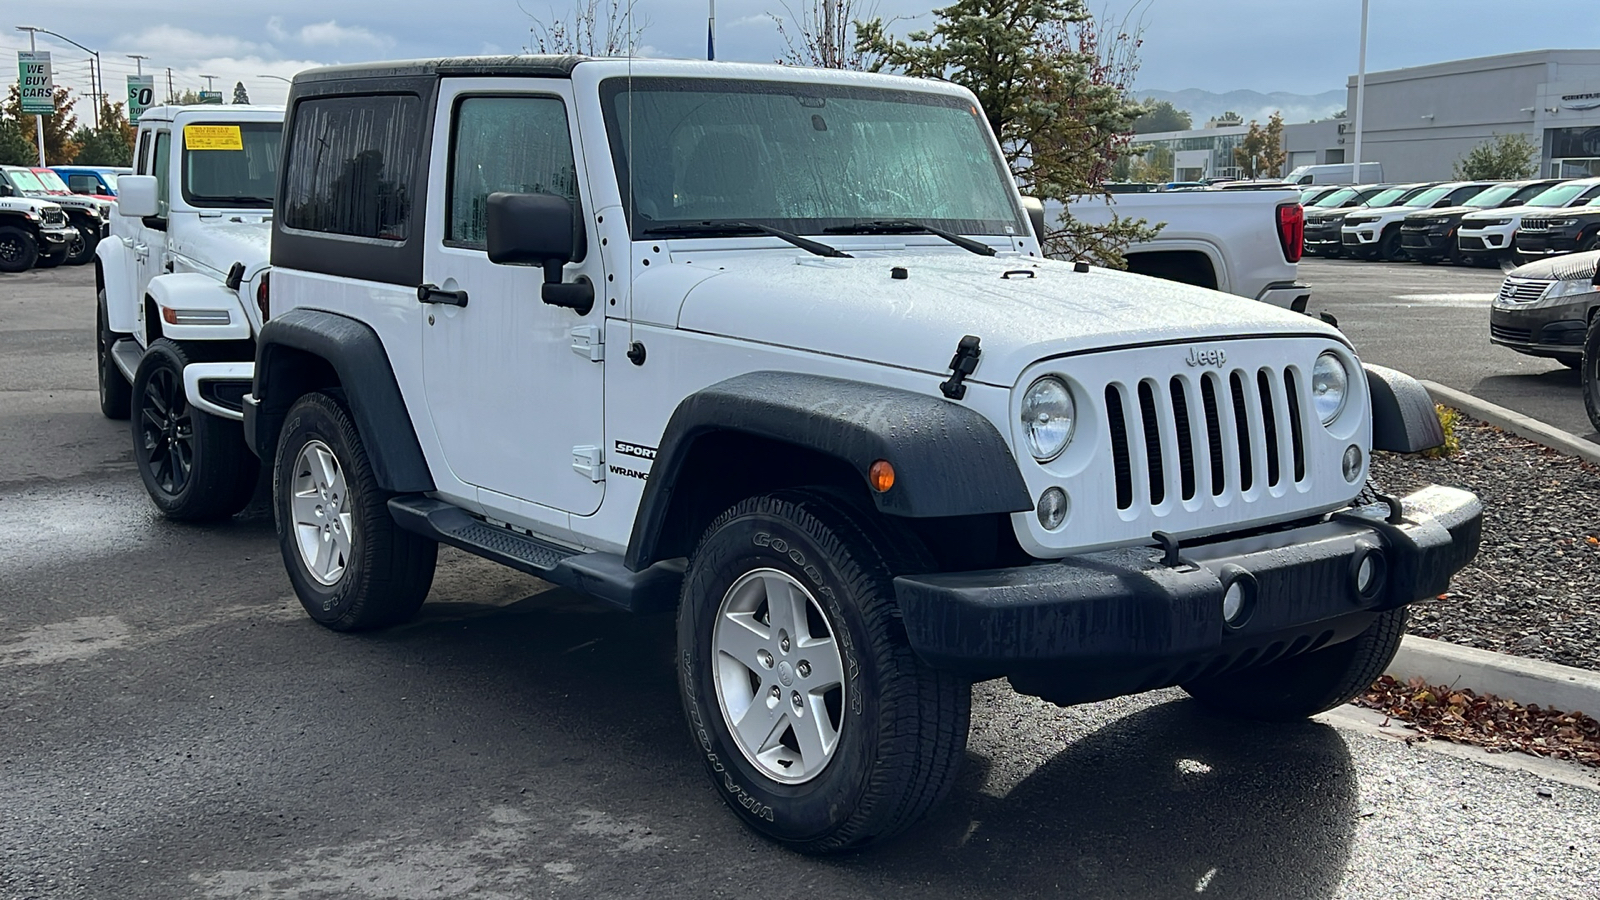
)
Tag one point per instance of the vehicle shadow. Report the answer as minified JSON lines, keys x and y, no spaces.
{"x":1168,"y":801}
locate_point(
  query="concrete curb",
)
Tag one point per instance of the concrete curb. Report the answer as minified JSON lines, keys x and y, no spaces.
{"x":1515,"y":422}
{"x":1527,"y":681}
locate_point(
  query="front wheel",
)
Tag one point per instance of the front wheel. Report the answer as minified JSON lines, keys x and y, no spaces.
{"x":1305,"y":685}
{"x":817,"y":723}
{"x":18,"y":249}
{"x":1389,"y":247}
{"x":81,"y":249}
{"x":195,"y":466}
{"x":1589,"y":372}
{"x":351,"y":566}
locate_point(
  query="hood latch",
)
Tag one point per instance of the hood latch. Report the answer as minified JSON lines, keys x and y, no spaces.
{"x":964,"y":363}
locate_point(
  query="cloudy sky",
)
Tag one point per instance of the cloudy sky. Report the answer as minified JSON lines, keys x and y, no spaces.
{"x":1218,"y":45}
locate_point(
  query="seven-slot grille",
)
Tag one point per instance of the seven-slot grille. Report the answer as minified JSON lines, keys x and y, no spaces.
{"x":55,"y":217}
{"x":1522,"y":290}
{"x":1225,"y":432}
{"x":1531,"y":223}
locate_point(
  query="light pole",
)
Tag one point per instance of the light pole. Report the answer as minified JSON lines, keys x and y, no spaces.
{"x":98,"y":77}
{"x":38,"y":120}
{"x":138,"y":61}
{"x":1361,"y":92}
{"x":278,"y":77}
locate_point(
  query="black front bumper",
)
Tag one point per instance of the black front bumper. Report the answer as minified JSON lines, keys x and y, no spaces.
{"x":1428,"y":244}
{"x":1546,"y":242}
{"x":1552,"y":332}
{"x":1120,"y":622}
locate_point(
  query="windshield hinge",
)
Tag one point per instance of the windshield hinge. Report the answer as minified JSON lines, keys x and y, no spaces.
{"x":964,"y":363}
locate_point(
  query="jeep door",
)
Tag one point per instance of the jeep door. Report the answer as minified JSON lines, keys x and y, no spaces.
{"x":514,"y":385}
{"x":147,"y":241}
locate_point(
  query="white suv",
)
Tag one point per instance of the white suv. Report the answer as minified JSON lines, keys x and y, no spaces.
{"x":179,"y":283}
{"x":775,"y":347}
{"x":1375,"y":233}
{"x":1490,"y":234}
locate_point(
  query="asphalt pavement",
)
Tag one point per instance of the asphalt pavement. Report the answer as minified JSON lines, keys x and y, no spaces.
{"x":171,"y":725}
{"x":1433,"y":322}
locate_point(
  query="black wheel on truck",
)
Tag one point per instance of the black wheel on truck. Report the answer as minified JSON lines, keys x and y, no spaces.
{"x":195,"y":466}
{"x":351,"y":566}
{"x":81,"y":249}
{"x":115,"y":392}
{"x":18,"y":249}
{"x":817,"y":723}
{"x":1305,"y":685}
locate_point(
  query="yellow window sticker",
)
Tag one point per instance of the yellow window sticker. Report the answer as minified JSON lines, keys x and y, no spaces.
{"x":212,"y":137}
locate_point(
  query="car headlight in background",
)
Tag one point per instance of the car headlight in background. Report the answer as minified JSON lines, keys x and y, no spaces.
{"x":1330,"y":386}
{"x":1048,"y":417}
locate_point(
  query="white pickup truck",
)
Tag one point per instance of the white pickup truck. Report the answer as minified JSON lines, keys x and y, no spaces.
{"x":1243,"y":242}
{"x":182,"y":283}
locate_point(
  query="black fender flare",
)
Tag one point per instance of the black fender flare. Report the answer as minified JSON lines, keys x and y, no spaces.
{"x":949,"y":460}
{"x":354,"y":353}
{"x":1403,"y":416}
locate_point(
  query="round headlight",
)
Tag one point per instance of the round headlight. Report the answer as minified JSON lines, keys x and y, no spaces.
{"x":1330,"y":386}
{"x":1048,"y":416}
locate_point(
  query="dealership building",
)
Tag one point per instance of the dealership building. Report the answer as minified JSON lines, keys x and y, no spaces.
{"x":1419,"y":121}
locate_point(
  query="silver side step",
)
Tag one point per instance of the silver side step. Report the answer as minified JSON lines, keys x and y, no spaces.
{"x":126,"y":353}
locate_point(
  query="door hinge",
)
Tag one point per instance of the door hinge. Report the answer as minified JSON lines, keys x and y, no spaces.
{"x":586,"y":461}
{"x":587,"y":342}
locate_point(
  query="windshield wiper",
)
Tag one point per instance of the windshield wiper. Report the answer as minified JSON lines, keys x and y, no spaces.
{"x":965,"y":243}
{"x":711,"y":229}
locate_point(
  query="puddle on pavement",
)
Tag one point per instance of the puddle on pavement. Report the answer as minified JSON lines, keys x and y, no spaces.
{"x":38,"y":527}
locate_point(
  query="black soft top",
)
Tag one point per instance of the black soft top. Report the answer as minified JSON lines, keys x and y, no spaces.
{"x":541,"y":66}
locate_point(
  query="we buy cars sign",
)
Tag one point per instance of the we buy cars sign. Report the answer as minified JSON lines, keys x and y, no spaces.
{"x":37,"y":86}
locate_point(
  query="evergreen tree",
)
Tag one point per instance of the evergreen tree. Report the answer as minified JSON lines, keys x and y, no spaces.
{"x":239,"y":94}
{"x":1161,"y":115}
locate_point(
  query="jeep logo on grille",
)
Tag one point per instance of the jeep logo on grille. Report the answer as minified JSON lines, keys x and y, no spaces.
{"x":1199,"y":356}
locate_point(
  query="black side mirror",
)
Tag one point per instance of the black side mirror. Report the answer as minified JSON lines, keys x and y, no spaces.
{"x":6,"y":190}
{"x":1034,"y":207}
{"x":540,"y":230}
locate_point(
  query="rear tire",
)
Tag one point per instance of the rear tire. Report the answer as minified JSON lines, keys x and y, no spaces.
{"x":351,"y":566}
{"x":1305,"y":685}
{"x":195,"y":466}
{"x":81,"y":249}
{"x":115,"y":392}
{"x":898,"y":728}
{"x":18,"y":249}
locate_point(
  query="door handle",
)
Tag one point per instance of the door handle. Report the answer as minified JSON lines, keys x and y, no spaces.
{"x":432,"y":293}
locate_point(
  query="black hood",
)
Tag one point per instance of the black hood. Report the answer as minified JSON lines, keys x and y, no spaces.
{"x":1447,"y":212}
{"x":1570,"y":267}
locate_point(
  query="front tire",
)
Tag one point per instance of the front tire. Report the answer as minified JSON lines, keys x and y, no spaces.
{"x":195,"y":466}
{"x":1589,"y":372}
{"x":81,"y":249}
{"x":1389,"y":247}
{"x":1305,"y":685}
{"x":351,"y":566}
{"x":817,"y":723}
{"x":115,"y":393}
{"x":18,"y":249}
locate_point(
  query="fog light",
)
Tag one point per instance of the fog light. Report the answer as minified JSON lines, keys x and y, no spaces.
{"x":1053,"y":508}
{"x":1233,"y":602}
{"x":1352,"y":463}
{"x":1367,"y":573}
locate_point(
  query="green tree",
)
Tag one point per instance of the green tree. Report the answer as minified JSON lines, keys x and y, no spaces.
{"x":106,"y":147}
{"x":58,"y":128}
{"x":188,"y":97}
{"x":239,"y":93}
{"x":1161,"y":115}
{"x":1247,"y":156}
{"x":1054,"y":87}
{"x":1502,"y":157}
{"x":16,"y":148}
{"x":1273,"y":155}
{"x":1151,"y":164}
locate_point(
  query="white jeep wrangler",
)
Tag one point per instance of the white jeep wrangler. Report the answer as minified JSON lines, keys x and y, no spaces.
{"x":29,"y":229}
{"x":776,"y":348}
{"x":181,"y":282}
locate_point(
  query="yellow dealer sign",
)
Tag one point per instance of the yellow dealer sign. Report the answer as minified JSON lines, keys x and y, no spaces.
{"x":212,"y":137}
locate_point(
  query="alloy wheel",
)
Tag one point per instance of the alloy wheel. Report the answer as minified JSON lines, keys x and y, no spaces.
{"x":779,"y":676}
{"x":323,"y":524}
{"x":166,"y":431}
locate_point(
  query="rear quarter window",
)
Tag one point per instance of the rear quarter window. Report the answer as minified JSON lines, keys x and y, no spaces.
{"x":351,"y":165}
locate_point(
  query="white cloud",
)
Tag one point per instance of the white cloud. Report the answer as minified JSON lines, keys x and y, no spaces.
{"x":173,"y":42}
{"x":332,"y":34}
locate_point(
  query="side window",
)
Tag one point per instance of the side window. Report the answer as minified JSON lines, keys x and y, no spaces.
{"x":351,"y":165}
{"x":83,"y":184}
{"x":516,"y":144}
{"x":144,"y":153}
{"x":161,"y":167}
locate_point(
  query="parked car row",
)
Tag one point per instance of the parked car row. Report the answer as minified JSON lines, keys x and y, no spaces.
{"x":24,"y":244}
{"x":1461,"y":222}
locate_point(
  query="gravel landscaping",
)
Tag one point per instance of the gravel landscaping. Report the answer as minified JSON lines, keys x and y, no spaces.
{"x":1532,"y":590}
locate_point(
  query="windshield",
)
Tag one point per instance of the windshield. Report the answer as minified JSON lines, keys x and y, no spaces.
{"x":1492,"y":197}
{"x":110,"y":178}
{"x":25,"y":181}
{"x":1337,"y":198}
{"x":804,"y":158}
{"x":1561,"y":195}
{"x":51,"y":181}
{"x":1428,"y":197}
{"x":1388,"y":197}
{"x":231,"y":164}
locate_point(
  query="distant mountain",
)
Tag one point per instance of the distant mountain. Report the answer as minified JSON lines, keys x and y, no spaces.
{"x":1202,"y":105}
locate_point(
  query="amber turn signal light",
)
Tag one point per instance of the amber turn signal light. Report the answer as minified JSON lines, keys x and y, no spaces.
{"x":881,"y":475}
